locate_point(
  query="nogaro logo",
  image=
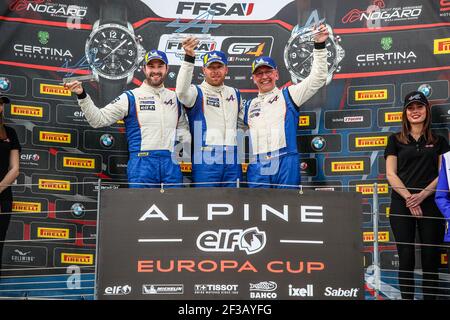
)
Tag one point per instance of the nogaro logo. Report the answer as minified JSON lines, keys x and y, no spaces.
{"x":215,"y":8}
{"x":250,"y":240}
{"x":53,"y":9}
{"x":378,"y":12}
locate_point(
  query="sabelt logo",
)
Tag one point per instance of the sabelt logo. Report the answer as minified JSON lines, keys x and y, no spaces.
{"x":49,"y":136}
{"x":53,"y":233}
{"x":29,"y":111}
{"x":23,"y":206}
{"x":48,"y":184}
{"x":77,"y":258}
{"x":368,"y":142}
{"x":393,"y":117}
{"x":367,"y":95}
{"x":186,"y":167}
{"x":383,"y":236}
{"x":304,"y":121}
{"x":84,"y":163}
{"x":347,"y":166}
{"x":383,"y":188}
{"x":442,"y":46}
{"x":55,"y":90}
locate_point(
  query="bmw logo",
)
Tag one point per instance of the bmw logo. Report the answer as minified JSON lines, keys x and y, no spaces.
{"x":318,"y":143}
{"x":107,"y":140}
{"x":426,"y":90}
{"x":5,"y":84}
{"x":77,"y":210}
{"x":172,"y":75}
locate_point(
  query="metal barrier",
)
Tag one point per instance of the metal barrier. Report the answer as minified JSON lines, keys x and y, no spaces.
{"x":380,"y":283}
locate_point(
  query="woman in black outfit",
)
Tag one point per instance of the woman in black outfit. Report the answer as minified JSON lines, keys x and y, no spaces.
{"x":413,"y":159}
{"x":9,"y":170}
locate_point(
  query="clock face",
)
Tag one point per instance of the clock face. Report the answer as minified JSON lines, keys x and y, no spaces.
{"x":112,"y":51}
{"x":298,"y":55}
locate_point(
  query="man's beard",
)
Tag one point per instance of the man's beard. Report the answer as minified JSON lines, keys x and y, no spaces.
{"x":155,"y":83}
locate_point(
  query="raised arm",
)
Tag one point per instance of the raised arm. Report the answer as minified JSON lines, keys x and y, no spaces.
{"x":186,"y":92}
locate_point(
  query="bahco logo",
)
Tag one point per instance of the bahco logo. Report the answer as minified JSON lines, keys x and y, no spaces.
{"x":249,"y":240}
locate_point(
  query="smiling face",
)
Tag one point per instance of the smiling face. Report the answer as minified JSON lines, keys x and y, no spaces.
{"x":416,"y":113}
{"x":265,"y":78}
{"x":155,"y":72}
{"x":215,"y":73}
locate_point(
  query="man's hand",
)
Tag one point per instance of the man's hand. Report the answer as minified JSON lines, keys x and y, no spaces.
{"x":74,"y":86}
{"x":322,"y":33}
{"x":189,"y":45}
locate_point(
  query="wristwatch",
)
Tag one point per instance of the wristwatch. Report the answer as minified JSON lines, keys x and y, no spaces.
{"x":112,"y":50}
{"x":298,"y":54}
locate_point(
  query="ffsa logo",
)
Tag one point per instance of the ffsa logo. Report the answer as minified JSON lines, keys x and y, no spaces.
{"x":215,"y":9}
{"x":249,"y":240}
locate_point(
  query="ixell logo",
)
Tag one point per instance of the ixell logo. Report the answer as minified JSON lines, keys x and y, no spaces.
{"x":249,"y":240}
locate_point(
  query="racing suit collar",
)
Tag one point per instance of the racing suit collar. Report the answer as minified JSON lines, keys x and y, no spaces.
{"x":152,"y":89}
{"x":207,"y":86}
{"x":265,"y":94}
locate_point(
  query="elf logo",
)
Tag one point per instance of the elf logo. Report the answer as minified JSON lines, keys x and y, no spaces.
{"x":216,"y":8}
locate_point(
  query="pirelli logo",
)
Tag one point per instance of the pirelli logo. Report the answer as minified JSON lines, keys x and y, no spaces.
{"x":58,"y":185}
{"x":27,"y":111}
{"x":369,"y":142}
{"x":444,"y":258}
{"x":186,"y":167}
{"x":365,"y":189}
{"x":23,"y":206}
{"x":304,"y":121}
{"x":347,"y":166}
{"x":383,"y":236}
{"x":53,"y":233}
{"x":442,"y":46}
{"x":84,"y":163}
{"x":367,"y":95}
{"x":388,"y":212}
{"x":48,"y":136}
{"x":390,"y":117}
{"x":54,"y":90}
{"x":77,"y":258}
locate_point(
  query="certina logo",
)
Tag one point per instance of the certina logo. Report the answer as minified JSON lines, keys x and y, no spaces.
{"x":347,"y":166}
{"x":442,"y":46}
{"x":216,"y":289}
{"x":53,"y":9}
{"x":54,"y":90}
{"x":263,"y":290}
{"x":60,"y":137}
{"x":23,"y":206}
{"x":250,"y":240}
{"x":162,"y":289}
{"x":39,"y":52}
{"x":339,"y":292}
{"x":84,"y":163}
{"x":28,"y":111}
{"x":53,"y":233}
{"x":367,"y":95}
{"x":77,"y":258}
{"x":378,"y":12}
{"x":117,"y":290}
{"x":301,"y":292}
{"x":386,"y":58}
{"x":215,"y":8}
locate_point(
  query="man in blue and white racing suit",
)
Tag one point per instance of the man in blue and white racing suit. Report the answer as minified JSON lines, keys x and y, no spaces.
{"x":152,"y":115}
{"x":212,"y":109}
{"x":272,"y":119}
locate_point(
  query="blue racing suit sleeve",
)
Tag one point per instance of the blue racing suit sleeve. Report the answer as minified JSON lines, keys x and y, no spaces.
{"x":442,"y":195}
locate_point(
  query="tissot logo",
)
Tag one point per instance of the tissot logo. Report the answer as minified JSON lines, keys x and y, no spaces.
{"x":60,"y":137}
{"x":215,"y":8}
{"x":442,"y":46}
{"x":216,"y":289}
{"x":250,"y":240}
{"x":29,"y":111}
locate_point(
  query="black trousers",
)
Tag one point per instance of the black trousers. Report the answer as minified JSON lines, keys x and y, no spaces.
{"x":431,"y":231}
{"x":5,"y":206}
